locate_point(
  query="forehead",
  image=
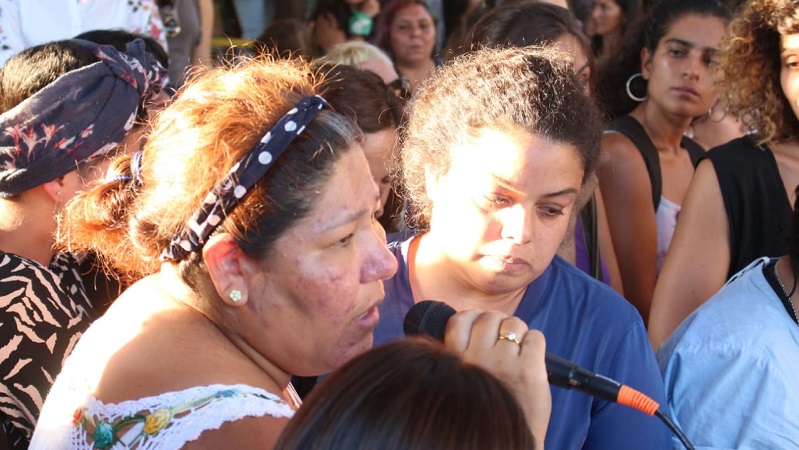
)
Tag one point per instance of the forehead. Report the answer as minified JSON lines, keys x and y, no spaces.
{"x":349,"y":191}
{"x":569,"y":44}
{"x":789,"y":42}
{"x":702,"y":31}
{"x":506,"y":153}
{"x":412,"y":12}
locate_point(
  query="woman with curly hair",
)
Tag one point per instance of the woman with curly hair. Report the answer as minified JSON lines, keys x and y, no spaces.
{"x":492,"y":171}
{"x":738,"y":206}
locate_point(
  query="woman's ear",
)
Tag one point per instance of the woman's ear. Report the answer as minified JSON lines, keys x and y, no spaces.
{"x":224,"y":259}
{"x":53,"y":189}
{"x":646,"y":63}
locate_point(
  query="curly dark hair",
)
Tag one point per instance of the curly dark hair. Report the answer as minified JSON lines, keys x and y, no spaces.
{"x":751,"y":63}
{"x":528,"y":88}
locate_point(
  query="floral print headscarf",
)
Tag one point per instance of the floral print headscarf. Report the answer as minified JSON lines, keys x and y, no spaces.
{"x":80,"y":116}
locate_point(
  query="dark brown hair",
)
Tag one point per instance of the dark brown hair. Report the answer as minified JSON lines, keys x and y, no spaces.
{"x":409,"y":394}
{"x":362,"y":96}
{"x":29,"y":71}
{"x":519,"y":88}
{"x":528,"y":22}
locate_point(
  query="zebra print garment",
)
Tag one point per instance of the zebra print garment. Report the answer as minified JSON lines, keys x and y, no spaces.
{"x":44,"y":312}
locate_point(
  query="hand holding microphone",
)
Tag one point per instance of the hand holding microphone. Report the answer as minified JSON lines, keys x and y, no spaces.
{"x":505,"y":347}
{"x":471,"y":333}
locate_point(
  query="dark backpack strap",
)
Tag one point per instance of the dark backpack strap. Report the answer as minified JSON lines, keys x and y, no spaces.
{"x":630,"y":127}
{"x":695,"y":151}
{"x":591,"y":238}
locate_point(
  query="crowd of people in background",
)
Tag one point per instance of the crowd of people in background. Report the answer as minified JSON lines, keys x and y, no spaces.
{"x":216,"y":246}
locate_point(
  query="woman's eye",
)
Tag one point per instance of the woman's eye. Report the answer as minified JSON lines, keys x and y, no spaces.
{"x":345,"y":241}
{"x":552,"y":211}
{"x":497,"y":201}
{"x":710,"y":61}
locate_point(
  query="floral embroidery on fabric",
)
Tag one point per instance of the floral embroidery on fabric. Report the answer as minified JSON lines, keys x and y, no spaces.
{"x":129,"y":431}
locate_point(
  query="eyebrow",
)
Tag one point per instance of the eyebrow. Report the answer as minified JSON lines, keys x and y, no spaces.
{"x":690,"y":44}
{"x":505,"y":183}
{"x":352,"y":217}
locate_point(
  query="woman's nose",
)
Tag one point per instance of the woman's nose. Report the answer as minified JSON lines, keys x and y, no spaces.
{"x":380,"y":263}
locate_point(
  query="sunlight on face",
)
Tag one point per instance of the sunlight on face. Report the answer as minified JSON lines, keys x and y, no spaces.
{"x":502,"y":210}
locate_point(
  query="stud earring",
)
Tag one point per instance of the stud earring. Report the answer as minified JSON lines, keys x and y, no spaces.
{"x":235,"y":295}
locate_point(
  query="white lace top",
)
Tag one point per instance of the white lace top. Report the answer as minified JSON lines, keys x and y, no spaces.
{"x":72,"y":418}
{"x":165,"y":421}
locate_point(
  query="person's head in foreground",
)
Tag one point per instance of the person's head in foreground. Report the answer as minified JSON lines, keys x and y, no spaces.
{"x":409,"y":394}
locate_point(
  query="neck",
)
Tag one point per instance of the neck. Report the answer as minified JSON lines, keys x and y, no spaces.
{"x":255,"y":368}
{"x":416,"y":71}
{"x":433,"y":277}
{"x":28,"y":226}
{"x":665,"y":130}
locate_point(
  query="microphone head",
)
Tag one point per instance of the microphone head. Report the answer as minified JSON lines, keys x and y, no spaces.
{"x":428,"y":317}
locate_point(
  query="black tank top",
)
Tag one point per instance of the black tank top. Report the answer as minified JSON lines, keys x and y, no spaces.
{"x":758,"y":209}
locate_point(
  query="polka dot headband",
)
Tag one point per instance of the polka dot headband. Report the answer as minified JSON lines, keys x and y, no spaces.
{"x":241,"y":178}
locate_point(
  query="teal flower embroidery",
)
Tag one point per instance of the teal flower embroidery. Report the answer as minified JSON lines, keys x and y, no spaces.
{"x":226,"y":394}
{"x":103,"y":435}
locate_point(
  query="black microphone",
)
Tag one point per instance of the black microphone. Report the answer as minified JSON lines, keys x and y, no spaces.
{"x":430,"y":318}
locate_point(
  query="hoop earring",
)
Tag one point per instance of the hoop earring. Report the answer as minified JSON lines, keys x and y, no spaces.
{"x":710,"y":113}
{"x":629,"y":91}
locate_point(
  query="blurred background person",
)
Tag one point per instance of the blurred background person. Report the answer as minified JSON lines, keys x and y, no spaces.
{"x":287,"y":38}
{"x":337,"y":21}
{"x":407,"y":32}
{"x":363,"y":55}
{"x":190,"y":43}
{"x":363,"y":97}
{"x":609,"y":22}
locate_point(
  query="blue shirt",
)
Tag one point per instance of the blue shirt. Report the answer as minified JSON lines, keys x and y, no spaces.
{"x":731,"y":368}
{"x":586,"y":322}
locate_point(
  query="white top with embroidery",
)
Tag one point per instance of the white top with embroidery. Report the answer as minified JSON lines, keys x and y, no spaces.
{"x":165,"y":421}
{"x":72,"y":418}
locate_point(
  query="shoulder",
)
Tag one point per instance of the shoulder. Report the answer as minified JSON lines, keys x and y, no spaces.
{"x":743,"y":147}
{"x":618,"y":145}
{"x":745,"y":314}
{"x":573,"y":287}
